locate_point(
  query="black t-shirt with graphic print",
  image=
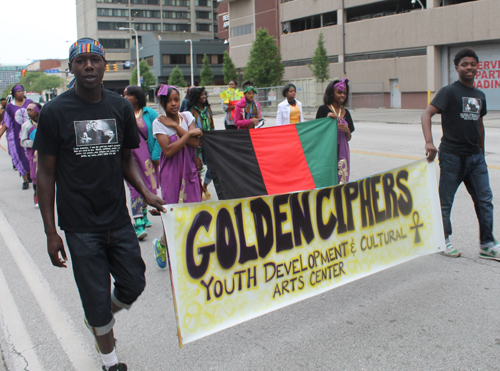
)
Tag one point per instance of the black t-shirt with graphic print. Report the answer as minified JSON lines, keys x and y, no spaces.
{"x":461,"y":108}
{"x":87,"y":139}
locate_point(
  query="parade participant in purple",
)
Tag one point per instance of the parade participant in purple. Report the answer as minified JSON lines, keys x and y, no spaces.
{"x":28,"y":132}
{"x":247,"y":111}
{"x":290,"y":110}
{"x":91,"y":201}
{"x":146,"y":157}
{"x":336,"y":95}
{"x":203,"y":119}
{"x":15,"y":116}
{"x":462,"y":152}
{"x":178,"y":138}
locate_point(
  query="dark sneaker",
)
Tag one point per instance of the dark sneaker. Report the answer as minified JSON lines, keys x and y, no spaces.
{"x":450,"y":250}
{"x":26,"y":185}
{"x":117,"y":367}
{"x":490,"y":250}
{"x":160,"y":253}
{"x":140,"y":230}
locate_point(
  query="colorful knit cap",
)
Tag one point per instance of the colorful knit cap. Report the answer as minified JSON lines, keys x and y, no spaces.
{"x":86,"y":45}
{"x":340,"y":86}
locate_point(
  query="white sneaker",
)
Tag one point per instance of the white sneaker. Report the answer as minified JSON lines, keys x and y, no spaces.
{"x":450,"y":250}
{"x":490,"y":250}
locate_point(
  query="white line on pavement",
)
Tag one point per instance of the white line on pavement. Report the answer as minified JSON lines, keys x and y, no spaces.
{"x":16,"y":334}
{"x":57,"y":318}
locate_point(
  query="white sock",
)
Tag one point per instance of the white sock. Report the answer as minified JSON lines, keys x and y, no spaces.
{"x":109,"y":359}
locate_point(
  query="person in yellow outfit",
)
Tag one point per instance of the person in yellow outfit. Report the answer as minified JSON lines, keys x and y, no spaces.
{"x":290,"y":110}
{"x":230,"y":97}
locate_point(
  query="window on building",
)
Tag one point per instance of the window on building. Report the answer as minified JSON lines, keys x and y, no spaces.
{"x":145,"y":2}
{"x":176,"y":27}
{"x":202,"y":3}
{"x":215,"y":4}
{"x":381,"y":9}
{"x":212,"y":58}
{"x":138,"y":13}
{"x":242,"y":30}
{"x":176,"y":2}
{"x":203,"y":15}
{"x":176,"y":15}
{"x":111,"y":25}
{"x":150,"y":61}
{"x":176,"y":59}
{"x":103,"y":12}
{"x":115,"y":43}
{"x":113,"y":1}
{"x":147,"y":26}
{"x":309,"y":23}
{"x":203,"y":27}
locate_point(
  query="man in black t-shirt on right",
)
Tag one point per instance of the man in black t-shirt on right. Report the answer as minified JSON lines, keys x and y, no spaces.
{"x":461,"y":153}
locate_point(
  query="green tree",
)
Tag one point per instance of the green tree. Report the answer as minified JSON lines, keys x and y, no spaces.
{"x":148,"y":79}
{"x":229,"y":69}
{"x":177,"y":78}
{"x":206,"y":74}
{"x":264,"y":66}
{"x":320,"y":65}
{"x":36,"y":82}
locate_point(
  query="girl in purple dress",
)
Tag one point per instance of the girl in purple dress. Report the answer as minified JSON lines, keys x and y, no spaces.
{"x":28,"y":132}
{"x":146,"y":157}
{"x":335,"y":97}
{"x":15,"y":116}
{"x":178,"y":138}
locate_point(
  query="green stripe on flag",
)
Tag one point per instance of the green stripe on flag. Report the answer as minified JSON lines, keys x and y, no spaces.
{"x":319,"y":143}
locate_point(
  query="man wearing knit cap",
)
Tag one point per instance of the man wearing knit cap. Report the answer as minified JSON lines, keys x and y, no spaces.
{"x":91,"y":202}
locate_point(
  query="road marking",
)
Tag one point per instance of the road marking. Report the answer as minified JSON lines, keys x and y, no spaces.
{"x":405,"y":157}
{"x":15,"y":332}
{"x":59,"y":321}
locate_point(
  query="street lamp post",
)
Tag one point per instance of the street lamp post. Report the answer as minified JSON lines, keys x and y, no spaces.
{"x":136,"y":53}
{"x":191,"y":53}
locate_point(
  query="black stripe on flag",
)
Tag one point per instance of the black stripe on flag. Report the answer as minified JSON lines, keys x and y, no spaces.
{"x":233,"y":164}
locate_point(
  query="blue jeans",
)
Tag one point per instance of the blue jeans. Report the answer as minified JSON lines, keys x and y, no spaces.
{"x":473,"y":172}
{"x":94,"y":257}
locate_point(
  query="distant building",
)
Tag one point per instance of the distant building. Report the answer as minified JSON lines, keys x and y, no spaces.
{"x":101,"y":20}
{"x":9,"y":75}
{"x":162,"y":55}
{"x":399,"y":50}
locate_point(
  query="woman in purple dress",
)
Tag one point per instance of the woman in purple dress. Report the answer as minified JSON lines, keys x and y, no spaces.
{"x":336,"y":95}
{"x":27,"y":137}
{"x":178,"y":138}
{"x":146,"y":157}
{"x":15,"y":116}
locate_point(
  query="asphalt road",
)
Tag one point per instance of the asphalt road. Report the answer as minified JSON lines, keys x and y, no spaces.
{"x":432,"y":313}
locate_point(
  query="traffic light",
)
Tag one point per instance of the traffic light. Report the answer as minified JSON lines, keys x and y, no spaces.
{"x":107,"y":67}
{"x":115,"y":67}
{"x":23,"y":73}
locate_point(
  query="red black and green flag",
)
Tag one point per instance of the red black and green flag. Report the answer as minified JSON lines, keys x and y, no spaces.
{"x":266,"y":161}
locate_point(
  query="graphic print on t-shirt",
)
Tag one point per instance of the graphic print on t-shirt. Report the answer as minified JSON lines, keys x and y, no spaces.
{"x":471,"y":108}
{"x":96,"y":138}
{"x":95,"y":132}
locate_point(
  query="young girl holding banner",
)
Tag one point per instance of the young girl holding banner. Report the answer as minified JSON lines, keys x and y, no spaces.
{"x":178,"y":138}
{"x":335,"y":97}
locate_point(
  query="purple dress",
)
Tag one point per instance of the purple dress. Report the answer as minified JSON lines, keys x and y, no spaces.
{"x":179,"y":179}
{"x":344,"y":155}
{"x":13,"y":119}
{"x":143,"y":160}
{"x":32,"y":156}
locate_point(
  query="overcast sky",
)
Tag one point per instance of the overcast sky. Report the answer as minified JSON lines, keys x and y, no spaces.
{"x":36,"y":29}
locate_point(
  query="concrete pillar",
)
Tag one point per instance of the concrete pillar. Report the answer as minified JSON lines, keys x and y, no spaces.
{"x":433,"y":68}
{"x":433,"y":4}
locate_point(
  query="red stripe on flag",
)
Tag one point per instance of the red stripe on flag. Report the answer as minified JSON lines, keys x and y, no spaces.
{"x":281,"y":159}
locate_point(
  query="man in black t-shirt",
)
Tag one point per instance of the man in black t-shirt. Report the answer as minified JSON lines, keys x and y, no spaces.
{"x":91,"y":202}
{"x":461,"y":153}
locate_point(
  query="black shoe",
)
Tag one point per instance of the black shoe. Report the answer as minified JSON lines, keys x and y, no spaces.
{"x":26,"y":185}
{"x":117,"y":367}
{"x":29,"y":178}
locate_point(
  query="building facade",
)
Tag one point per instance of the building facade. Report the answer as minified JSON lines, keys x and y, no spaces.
{"x":9,"y":75}
{"x":402,"y":49}
{"x":101,"y":20}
